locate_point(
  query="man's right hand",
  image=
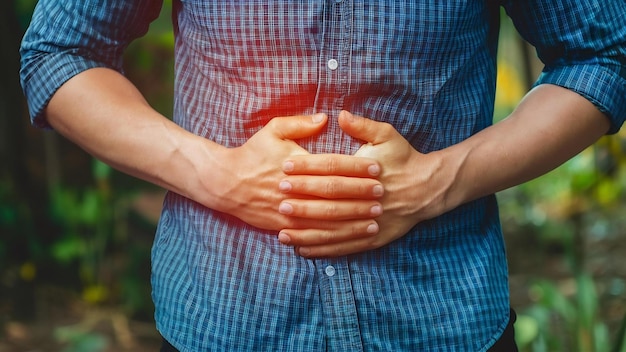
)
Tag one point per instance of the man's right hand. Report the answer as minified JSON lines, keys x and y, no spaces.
{"x":249,"y":182}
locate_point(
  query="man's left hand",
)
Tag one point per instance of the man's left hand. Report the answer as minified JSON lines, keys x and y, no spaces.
{"x":413,"y":190}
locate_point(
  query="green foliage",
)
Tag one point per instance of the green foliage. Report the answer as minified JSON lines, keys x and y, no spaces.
{"x":575,"y":204}
{"x":576,"y":192}
{"x":93,"y":225}
{"x":86,"y":218}
{"x":24,"y":9}
{"x":149,"y":62}
{"x":77,"y":339}
{"x":620,"y":339}
{"x":558,"y":322}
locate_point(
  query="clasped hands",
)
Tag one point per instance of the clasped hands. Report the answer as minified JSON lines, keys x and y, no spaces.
{"x":328,"y":205}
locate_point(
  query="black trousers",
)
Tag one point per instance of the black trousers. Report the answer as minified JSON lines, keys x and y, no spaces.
{"x":506,"y":343}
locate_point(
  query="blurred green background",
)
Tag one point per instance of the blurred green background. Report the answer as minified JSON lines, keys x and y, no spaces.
{"x":75,"y":235}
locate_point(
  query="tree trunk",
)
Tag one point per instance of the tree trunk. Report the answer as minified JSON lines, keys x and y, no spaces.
{"x":11,"y":101}
{"x":23,"y":172}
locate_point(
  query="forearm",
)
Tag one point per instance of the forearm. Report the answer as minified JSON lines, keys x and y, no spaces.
{"x":102,"y":112}
{"x":550,"y":126}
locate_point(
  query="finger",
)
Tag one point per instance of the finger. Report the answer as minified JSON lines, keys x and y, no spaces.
{"x":344,"y":231}
{"x":332,"y":250}
{"x":322,"y":209}
{"x":296,"y":127}
{"x":332,"y":187}
{"x":331,"y":164}
{"x":365,"y":129}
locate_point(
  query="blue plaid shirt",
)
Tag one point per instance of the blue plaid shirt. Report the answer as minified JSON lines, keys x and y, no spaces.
{"x":425,"y":66}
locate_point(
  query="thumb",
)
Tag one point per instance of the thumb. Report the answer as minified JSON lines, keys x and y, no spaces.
{"x":297,"y":127}
{"x":362,"y":128}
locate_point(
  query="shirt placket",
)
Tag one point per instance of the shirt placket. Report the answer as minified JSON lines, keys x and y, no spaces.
{"x":340,"y":313}
{"x":334,"y":68}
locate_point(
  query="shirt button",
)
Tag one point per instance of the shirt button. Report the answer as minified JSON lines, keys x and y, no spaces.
{"x":333,"y":64}
{"x":330,"y":270}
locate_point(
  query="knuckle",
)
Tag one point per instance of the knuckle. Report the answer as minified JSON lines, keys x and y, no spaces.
{"x":386,"y":127}
{"x":272,"y":123}
{"x":374,"y":242}
{"x":386,"y":130}
{"x":358,"y":166}
{"x":332,"y":166}
{"x":355,"y":230}
{"x":331,"y":189}
{"x":359,"y":211}
{"x":327,"y":237}
{"x":338,"y":252}
{"x":285,"y":222}
{"x":331,"y":210}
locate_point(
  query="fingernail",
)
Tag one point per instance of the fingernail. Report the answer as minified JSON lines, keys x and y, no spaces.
{"x":285,"y":208}
{"x":348,"y":115}
{"x":373,"y":170}
{"x":378,"y":190}
{"x":288,"y":166}
{"x":317,"y":118}
{"x":284,"y":238}
{"x":285,"y":186}
{"x":376,"y":210}
{"x":303,"y":251}
{"x":372,"y":228}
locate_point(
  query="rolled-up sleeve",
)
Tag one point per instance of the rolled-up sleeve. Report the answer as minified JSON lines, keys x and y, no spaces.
{"x":67,"y":37}
{"x":583,"y":46}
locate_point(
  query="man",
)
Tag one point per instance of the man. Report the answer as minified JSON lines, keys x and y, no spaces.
{"x":331,"y":164}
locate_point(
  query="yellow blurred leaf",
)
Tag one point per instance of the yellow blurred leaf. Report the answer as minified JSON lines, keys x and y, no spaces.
{"x":95,"y":294}
{"x":510,"y":88}
{"x":28,"y":271}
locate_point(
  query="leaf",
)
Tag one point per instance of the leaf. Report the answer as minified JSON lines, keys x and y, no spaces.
{"x":554,"y":300}
{"x":90,"y":208}
{"x":77,"y":339}
{"x":526,"y":330}
{"x":64,"y":206}
{"x":607,"y":192}
{"x":101,"y":171}
{"x":68,"y":248}
{"x":587,"y":300}
{"x":583,"y":181}
{"x":95,"y":294}
{"x":601,"y":337}
{"x":620,"y":340}
{"x":28,"y":271}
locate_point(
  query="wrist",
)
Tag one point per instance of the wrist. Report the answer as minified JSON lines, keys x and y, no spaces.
{"x":192,"y":168}
{"x":451,"y":176}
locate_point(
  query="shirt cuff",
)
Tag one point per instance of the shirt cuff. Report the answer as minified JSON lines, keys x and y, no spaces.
{"x":43,"y":76}
{"x":603,"y":87}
